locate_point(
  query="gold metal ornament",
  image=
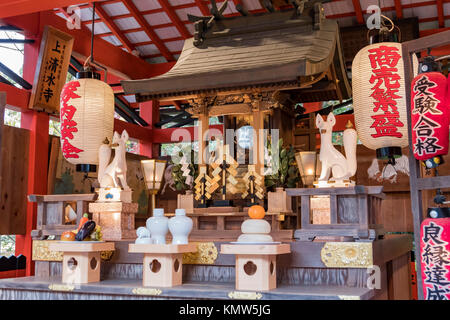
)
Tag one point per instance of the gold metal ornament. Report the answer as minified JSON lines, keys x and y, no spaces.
{"x":347,"y":254}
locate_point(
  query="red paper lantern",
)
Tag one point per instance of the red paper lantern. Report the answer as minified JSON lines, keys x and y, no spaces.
{"x":435,"y":258}
{"x":430,"y":112}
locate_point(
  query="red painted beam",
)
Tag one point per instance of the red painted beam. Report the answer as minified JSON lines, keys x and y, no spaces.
{"x":398,"y":9}
{"x":358,"y":11}
{"x":12,"y":8}
{"x":107,"y":54}
{"x":148,"y":30}
{"x":175,"y":19}
{"x":440,"y":11}
{"x":16,"y":97}
{"x":114,"y":28}
{"x":203,"y":7}
{"x":134,"y":131}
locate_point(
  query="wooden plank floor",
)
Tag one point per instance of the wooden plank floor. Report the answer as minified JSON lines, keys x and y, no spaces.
{"x":29,"y":288}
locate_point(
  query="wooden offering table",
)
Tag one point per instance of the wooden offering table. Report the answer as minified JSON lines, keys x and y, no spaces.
{"x":163,"y":263}
{"x":81,"y":260}
{"x":256,"y":264}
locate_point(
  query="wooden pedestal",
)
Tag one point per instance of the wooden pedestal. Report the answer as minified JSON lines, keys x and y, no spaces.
{"x":115,"y":218}
{"x":163,"y":263}
{"x":279,"y":201}
{"x":81,"y":260}
{"x":256,"y":264}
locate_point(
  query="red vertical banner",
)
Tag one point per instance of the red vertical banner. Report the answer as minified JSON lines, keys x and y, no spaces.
{"x":430,"y":112}
{"x":435,"y":258}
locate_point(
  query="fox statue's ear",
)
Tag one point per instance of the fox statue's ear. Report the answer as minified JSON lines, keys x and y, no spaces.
{"x":331,"y":119}
{"x":319,"y":121}
{"x":125,"y":135}
{"x":116,"y":135}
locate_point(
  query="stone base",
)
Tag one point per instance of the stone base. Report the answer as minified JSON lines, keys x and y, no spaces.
{"x":114,"y":195}
{"x":115,"y":218}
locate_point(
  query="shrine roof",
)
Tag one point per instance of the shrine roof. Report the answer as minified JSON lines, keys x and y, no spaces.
{"x":250,"y":51}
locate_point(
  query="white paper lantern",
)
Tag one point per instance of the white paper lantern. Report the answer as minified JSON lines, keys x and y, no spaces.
{"x":379,"y":103}
{"x":87,"y":118}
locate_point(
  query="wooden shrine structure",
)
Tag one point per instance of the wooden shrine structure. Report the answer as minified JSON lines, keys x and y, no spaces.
{"x":253,"y":66}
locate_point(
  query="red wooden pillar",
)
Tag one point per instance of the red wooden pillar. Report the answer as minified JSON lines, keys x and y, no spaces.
{"x":149,"y":111}
{"x":37,"y":123}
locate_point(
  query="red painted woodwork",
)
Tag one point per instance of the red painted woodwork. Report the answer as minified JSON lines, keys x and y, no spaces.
{"x":358,"y":11}
{"x":430,"y":112}
{"x":440,"y":11}
{"x":188,"y":133}
{"x":12,"y":8}
{"x":12,"y":274}
{"x":398,"y":9}
{"x":114,"y":28}
{"x":435,"y":258}
{"x":149,"y":111}
{"x":16,"y":97}
{"x":203,"y":8}
{"x":117,"y":60}
{"x":312,"y":106}
{"x":148,"y":30}
{"x":175,"y":19}
{"x":134,"y":131}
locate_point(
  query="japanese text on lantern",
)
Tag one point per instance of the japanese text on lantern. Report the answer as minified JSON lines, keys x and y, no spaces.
{"x":68,"y":125}
{"x":435,"y":263}
{"x":425,"y":104}
{"x":54,"y":57}
{"x":386,"y":85}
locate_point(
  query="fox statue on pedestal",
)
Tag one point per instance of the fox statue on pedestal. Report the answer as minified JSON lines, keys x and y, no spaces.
{"x":333,"y":162}
{"x":109,"y":172}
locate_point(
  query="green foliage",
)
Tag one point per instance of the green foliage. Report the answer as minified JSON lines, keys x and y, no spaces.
{"x":177,"y":173}
{"x":7,"y":245}
{"x":287,"y":174}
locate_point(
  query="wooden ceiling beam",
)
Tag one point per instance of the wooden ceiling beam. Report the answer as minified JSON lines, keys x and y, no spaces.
{"x":148,"y":30}
{"x":203,"y":7}
{"x":149,"y":56}
{"x":144,"y":43}
{"x":358,"y":11}
{"x":169,"y":10}
{"x":398,"y":9}
{"x":440,"y":11}
{"x":114,"y":28}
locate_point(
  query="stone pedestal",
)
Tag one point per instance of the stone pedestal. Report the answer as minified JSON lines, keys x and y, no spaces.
{"x":81,"y":261}
{"x":162,"y":263}
{"x":256,"y":264}
{"x":115,"y":218}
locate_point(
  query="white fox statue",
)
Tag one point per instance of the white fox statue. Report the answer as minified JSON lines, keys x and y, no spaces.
{"x":108,"y":173}
{"x":333,"y":162}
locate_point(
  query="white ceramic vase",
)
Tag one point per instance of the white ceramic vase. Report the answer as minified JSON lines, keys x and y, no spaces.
{"x":158,"y":226}
{"x":180,"y":227}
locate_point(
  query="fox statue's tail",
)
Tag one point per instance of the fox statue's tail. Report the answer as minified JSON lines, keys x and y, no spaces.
{"x":350,"y":140}
{"x":104,"y":156}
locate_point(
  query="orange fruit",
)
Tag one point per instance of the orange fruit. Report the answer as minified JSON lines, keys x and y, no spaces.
{"x":68,"y":236}
{"x":256,"y":212}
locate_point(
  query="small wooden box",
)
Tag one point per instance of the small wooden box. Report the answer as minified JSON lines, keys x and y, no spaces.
{"x":81,"y":260}
{"x":256,"y":264}
{"x":162,"y":263}
{"x":279,"y":202}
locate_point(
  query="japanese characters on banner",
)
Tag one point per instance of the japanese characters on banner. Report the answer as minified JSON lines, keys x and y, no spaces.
{"x":51,"y":70}
{"x":435,"y":258}
{"x":430,"y":112}
{"x":378,"y":96}
{"x":87,"y":119}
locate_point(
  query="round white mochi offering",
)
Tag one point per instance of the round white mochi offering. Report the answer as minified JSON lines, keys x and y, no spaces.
{"x":255,"y":226}
{"x":252,"y":237}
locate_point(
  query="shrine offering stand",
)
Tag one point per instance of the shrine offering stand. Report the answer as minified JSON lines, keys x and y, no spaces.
{"x":81,"y":260}
{"x":162,"y":263}
{"x":256,"y":264}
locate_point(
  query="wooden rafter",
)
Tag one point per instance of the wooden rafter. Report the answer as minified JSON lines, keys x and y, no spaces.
{"x":358,"y":11}
{"x":148,"y":30}
{"x":203,"y":7}
{"x":175,"y":19}
{"x":440,"y":11}
{"x":398,"y":9}
{"x":114,"y":28}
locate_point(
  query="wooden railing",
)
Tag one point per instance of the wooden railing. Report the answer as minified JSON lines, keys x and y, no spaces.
{"x":12,"y":266}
